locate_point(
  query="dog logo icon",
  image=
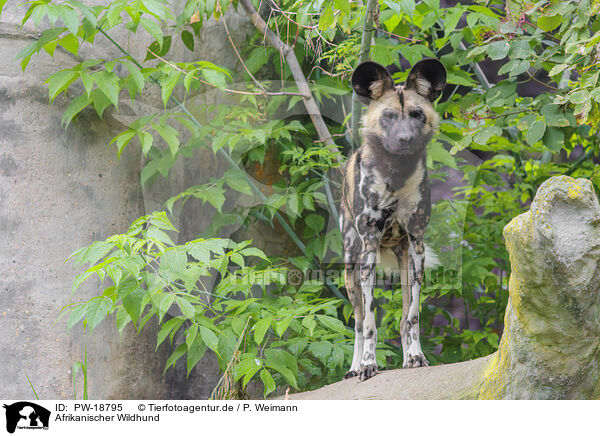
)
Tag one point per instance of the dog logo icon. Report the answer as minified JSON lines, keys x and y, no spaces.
{"x":26,"y":415}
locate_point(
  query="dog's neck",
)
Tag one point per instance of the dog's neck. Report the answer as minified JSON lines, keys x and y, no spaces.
{"x":395,"y":169}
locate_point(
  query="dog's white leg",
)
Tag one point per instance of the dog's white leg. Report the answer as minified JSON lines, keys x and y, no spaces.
{"x":358,"y":351}
{"x":356,"y":299}
{"x":367,"y":283}
{"x":413,"y":262}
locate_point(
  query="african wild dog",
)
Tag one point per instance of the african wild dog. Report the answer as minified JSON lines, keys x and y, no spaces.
{"x":386,"y":201}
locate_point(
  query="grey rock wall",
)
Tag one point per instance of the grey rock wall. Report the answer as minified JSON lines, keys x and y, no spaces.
{"x":60,"y":190}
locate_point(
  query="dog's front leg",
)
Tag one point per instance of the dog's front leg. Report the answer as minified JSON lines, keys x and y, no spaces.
{"x":371,"y":237}
{"x":412,"y":264}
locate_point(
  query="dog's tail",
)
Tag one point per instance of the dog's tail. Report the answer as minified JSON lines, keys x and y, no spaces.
{"x":387,"y":261}
{"x":431,"y":258}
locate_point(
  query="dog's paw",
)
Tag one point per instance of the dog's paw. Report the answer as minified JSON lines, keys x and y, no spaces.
{"x":415,"y":361}
{"x":368,"y":371}
{"x":350,"y":374}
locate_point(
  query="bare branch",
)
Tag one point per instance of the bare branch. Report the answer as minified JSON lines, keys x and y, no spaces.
{"x":292,"y":61}
{"x":236,"y":51}
{"x":234,"y":91}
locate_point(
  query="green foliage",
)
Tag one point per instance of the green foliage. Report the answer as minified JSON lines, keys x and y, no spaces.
{"x":290,"y":334}
{"x":284,"y":334}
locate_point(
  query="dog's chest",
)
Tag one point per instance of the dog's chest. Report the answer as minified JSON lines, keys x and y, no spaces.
{"x":395,"y":207}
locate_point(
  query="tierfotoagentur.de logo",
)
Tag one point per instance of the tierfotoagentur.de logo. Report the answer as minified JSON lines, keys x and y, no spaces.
{"x":26,"y":415}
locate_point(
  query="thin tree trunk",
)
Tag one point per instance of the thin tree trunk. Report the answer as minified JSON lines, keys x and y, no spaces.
{"x":365,"y":48}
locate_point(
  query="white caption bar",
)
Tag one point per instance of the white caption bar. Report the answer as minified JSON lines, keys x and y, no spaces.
{"x":153,"y":417}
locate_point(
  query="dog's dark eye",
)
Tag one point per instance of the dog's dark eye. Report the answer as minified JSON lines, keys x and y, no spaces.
{"x":417,"y":113}
{"x":388,"y":115}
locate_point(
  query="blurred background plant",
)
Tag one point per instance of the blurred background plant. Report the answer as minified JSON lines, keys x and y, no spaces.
{"x":522,"y":98}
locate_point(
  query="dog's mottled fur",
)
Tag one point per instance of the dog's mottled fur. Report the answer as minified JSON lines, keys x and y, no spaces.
{"x":386,"y":201}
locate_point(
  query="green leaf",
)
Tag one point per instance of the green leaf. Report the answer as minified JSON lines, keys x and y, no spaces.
{"x":554,"y":138}
{"x":282,"y":325}
{"x":519,"y":49}
{"x":315,"y":222}
{"x":438,"y":153}
{"x":153,"y":28}
{"x":70,"y":18}
{"x":260,"y":328}
{"x":249,"y":374}
{"x":557,"y":69}
{"x":535,"y":132}
{"x":80,"y":279}
{"x":70,"y":43}
{"x":188,"y":79}
{"x":382,"y":54}
{"x":136,"y":75}
{"x":310,"y":323}
{"x":76,"y":315}
{"x":452,"y":19}
{"x":163,"y":302}
{"x":188,"y":39}
{"x":88,"y":81}
{"x":167,"y":85}
{"x":59,"y":82}
{"x":158,"y":9}
{"x":133,"y":303}
{"x":109,"y":85}
{"x":209,"y":338}
{"x":146,"y":140}
{"x":99,"y":101}
{"x":478,"y":49}
{"x":268,"y":381}
{"x":520,"y":68}
{"x":525,"y":121}
{"x":76,"y":106}
{"x":579,"y":96}
{"x":498,"y":50}
{"x":327,"y":17}
{"x":237,"y":180}
{"x":282,"y":362}
{"x":215,"y":78}
{"x":253,"y":251}
{"x":548,"y":24}
{"x":407,"y":7}
{"x":122,"y":140}
{"x":169,"y":134}
{"x":122,"y":319}
{"x":483,"y":135}
{"x":186,"y":307}
{"x":433,"y":4}
{"x":215,"y":197}
{"x":194,"y":355}
{"x":248,"y":365}
{"x":332,"y":323}
{"x":179,"y":351}
{"x":459,"y":77}
{"x":169,"y":327}
{"x":191,"y":334}
{"x":554,"y":115}
{"x":157,"y":49}
{"x":96,"y":310}
{"x":87,"y":11}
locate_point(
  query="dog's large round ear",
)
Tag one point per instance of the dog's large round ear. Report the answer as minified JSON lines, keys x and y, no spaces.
{"x":428,"y":78}
{"x":370,"y":81}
